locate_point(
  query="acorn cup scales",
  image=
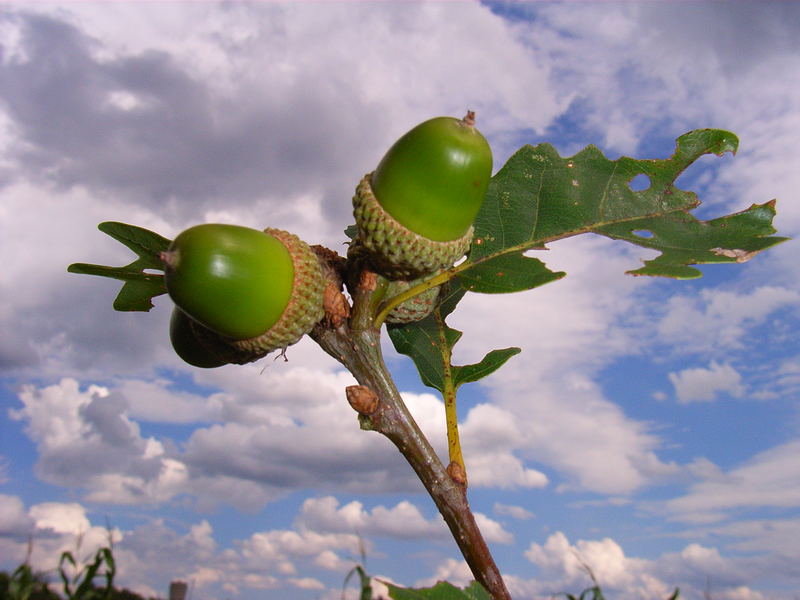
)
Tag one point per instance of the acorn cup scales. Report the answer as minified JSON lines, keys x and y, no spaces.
{"x":415,"y":211}
{"x":414,"y":309}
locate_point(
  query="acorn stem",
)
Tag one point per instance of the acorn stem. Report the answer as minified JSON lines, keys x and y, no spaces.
{"x":391,"y":303}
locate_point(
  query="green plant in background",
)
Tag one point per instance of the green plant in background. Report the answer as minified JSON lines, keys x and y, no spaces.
{"x":78,"y":580}
{"x":431,"y":226}
{"x":21,"y":584}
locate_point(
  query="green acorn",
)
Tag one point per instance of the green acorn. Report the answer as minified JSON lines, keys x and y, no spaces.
{"x":415,"y":211}
{"x":414,"y":309}
{"x":189,"y":345}
{"x":258,"y":291}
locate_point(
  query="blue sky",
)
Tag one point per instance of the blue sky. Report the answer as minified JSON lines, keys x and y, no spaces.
{"x":650,"y":427}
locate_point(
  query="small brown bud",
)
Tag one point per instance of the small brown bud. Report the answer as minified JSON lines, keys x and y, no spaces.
{"x":337,"y":309}
{"x":363,"y":400}
{"x":457,"y":473}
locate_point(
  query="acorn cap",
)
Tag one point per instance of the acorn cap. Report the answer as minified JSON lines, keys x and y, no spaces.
{"x":394,"y":250}
{"x":305,"y":308}
{"x":414,"y":309}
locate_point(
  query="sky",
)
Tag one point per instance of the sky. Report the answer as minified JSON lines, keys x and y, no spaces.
{"x":650,"y":428}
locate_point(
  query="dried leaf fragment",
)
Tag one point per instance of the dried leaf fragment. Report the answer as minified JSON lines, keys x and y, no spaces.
{"x":736,"y":253}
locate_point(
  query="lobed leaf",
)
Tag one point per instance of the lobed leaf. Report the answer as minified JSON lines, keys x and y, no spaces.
{"x":140,"y":287}
{"x":539,"y":197}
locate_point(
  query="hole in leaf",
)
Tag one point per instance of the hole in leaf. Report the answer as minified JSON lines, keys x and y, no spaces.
{"x":642,"y":233}
{"x":639,"y":183}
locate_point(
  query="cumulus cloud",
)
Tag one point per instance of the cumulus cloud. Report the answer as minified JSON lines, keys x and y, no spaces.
{"x":704,"y":385}
{"x":14,"y":520}
{"x":604,"y":558}
{"x":491,"y":434}
{"x":154,"y":552}
{"x":777,"y":537}
{"x":769,"y":479}
{"x":515,"y":512}
{"x":84,"y":438}
{"x":564,"y":565}
{"x":280,"y":429}
{"x":53,"y":528}
{"x":404,"y":520}
{"x":716,"y":321}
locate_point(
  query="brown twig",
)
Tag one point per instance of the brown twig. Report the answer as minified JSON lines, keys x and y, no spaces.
{"x":356,"y":345}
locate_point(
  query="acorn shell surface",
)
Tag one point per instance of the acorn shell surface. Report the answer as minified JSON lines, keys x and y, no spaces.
{"x":233,"y":280}
{"x":187,"y":344}
{"x":434,"y":178}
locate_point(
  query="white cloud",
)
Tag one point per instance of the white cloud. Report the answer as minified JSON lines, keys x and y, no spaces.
{"x":490,"y":436}
{"x":568,"y":330}
{"x":564,"y":565}
{"x":280,"y":547}
{"x":777,"y":537}
{"x":68,"y":519}
{"x":307,"y":583}
{"x":716,"y":321}
{"x":404,"y":520}
{"x":160,"y":401}
{"x":53,"y":528}
{"x":14,"y":521}
{"x":515,"y":512}
{"x":769,"y":479}
{"x":493,"y":531}
{"x":704,"y":385}
{"x":85,"y":438}
{"x":296,"y":417}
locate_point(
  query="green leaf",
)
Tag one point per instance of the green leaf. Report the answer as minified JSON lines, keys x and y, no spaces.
{"x":140,"y":287}
{"x":441,"y":591}
{"x":421,"y":342}
{"x":539,"y":197}
{"x":488,"y":365}
{"x":429,"y":344}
